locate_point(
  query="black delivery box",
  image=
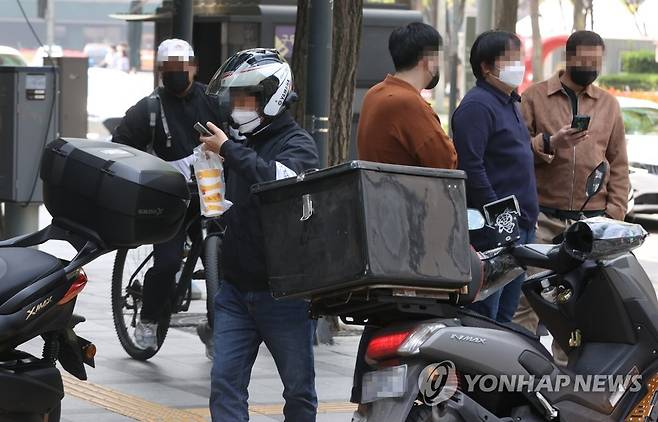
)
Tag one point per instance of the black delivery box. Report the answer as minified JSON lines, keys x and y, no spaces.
{"x":365,"y":225}
{"x":126,"y":196}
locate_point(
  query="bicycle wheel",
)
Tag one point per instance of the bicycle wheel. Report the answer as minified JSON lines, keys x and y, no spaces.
{"x":130,"y":265}
{"x":213,"y":276}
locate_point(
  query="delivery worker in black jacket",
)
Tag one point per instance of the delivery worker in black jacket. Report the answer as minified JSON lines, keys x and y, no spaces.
{"x":257,"y":86}
{"x":163,"y":124}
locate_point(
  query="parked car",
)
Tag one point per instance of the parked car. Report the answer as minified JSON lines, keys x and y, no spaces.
{"x":11,"y":57}
{"x":641,"y":125}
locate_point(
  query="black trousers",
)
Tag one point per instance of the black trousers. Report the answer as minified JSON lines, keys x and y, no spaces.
{"x":160,"y":279}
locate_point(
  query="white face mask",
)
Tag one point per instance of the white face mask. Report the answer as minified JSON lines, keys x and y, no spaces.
{"x":513,"y":74}
{"x":248,"y":120}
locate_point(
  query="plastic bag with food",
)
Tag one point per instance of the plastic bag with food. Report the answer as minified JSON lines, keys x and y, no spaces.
{"x":209,"y":173}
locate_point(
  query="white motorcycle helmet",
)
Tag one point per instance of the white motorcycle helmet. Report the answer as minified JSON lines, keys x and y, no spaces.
{"x":260,"y":72}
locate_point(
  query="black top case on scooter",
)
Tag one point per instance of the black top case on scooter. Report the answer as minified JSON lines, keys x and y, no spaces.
{"x":361,"y":225}
{"x":124,"y":195}
{"x":112,"y":195}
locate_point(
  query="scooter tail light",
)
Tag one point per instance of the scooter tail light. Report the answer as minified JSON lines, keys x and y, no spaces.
{"x":386,"y":346}
{"x":400,"y":343}
{"x":411,"y":346}
{"x":78,"y":284}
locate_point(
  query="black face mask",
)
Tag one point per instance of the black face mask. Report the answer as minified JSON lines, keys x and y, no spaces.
{"x":176,"y":82}
{"x":583,"y":76}
{"x":434,"y":81}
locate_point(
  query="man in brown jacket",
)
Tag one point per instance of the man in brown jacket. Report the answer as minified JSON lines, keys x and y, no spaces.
{"x":564,"y":157}
{"x":397,"y":126}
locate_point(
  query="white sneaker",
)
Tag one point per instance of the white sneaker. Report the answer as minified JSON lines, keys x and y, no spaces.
{"x":205,"y":334}
{"x":146,"y":335}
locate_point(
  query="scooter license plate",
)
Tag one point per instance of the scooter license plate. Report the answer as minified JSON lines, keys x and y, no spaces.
{"x":384,"y":383}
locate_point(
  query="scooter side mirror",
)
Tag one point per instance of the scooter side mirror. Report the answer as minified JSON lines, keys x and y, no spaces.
{"x":595,"y":182}
{"x":475,"y":219}
{"x":596,"y":179}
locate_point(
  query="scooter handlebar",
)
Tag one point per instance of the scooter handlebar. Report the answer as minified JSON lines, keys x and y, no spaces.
{"x":495,"y":269}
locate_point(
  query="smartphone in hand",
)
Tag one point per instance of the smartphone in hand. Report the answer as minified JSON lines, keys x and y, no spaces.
{"x":203,"y":131}
{"x":580,"y":122}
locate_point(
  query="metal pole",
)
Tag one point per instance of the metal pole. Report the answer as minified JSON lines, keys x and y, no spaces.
{"x":135,"y":37}
{"x":183,"y":20}
{"x":50,"y":24}
{"x":20,"y":219}
{"x":318,"y":91}
{"x":319,"y":74}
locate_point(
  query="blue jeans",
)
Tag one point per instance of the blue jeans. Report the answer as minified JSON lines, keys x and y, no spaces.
{"x":243,"y":320}
{"x":502,"y":305}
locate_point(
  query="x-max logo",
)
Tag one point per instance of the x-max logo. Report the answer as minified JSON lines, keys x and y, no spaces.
{"x":468,"y":339}
{"x":38,"y":308}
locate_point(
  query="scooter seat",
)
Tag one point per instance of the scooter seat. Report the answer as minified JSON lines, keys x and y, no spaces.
{"x":20,"y":267}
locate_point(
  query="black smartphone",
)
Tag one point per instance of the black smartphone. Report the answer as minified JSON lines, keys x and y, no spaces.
{"x":580,"y":122}
{"x":203,"y":131}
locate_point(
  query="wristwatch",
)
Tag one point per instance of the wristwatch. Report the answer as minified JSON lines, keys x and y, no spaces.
{"x":547,"y":143}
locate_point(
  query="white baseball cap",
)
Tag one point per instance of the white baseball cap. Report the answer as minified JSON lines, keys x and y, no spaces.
{"x":174,"y":48}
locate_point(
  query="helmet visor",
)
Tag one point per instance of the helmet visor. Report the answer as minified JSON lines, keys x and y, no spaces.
{"x":238,"y":73}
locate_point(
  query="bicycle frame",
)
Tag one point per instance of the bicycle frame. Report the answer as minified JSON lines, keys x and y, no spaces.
{"x":182,"y":297}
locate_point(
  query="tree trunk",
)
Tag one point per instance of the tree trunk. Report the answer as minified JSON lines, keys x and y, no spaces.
{"x":454,"y":24}
{"x":506,"y":15}
{"x":300,"y":61}
{"x":537,"y":62}
{"x":578,"y":15}
{"x":346,"y":40}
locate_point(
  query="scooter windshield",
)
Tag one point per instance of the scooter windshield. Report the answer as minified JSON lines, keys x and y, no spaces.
{"x":600,"y":237}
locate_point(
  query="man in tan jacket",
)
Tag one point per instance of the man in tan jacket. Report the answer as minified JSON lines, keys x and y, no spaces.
{"x":564,"y":157}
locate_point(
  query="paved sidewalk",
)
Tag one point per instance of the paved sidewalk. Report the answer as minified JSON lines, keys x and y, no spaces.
{"x":178,"y":377}
{"x":174,"y":385}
